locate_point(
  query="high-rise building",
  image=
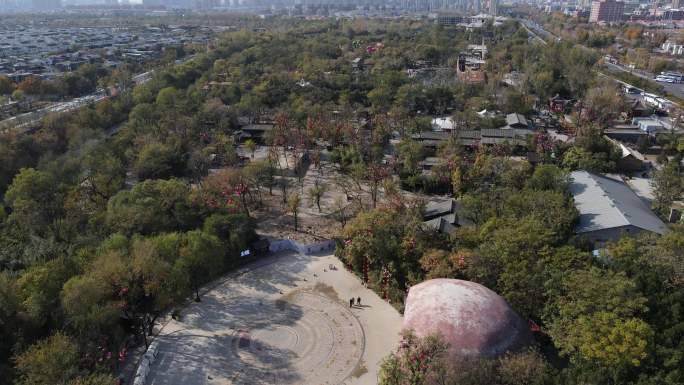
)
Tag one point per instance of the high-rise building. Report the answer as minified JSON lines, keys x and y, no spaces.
{"x":493,"y":7}
{"x":608,"y":11}
{"x":206,"y":4}
{"x":6,"y":5}
{"x":46,"y":5}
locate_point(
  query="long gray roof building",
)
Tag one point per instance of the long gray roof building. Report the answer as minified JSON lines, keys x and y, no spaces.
{"x":608,"y":208}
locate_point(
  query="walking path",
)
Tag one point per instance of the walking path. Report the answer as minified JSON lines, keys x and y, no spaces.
{"x":283,"y":320}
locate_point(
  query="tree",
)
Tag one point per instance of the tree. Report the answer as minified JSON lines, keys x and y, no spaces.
{"x":293,"y":206}
{"x":39,"y":288}
{"x":375,"y":174}
{"x":548,"y":177}
{"x":33,"y":197}
{"x":410,"y":153}
{"x":316,"y":193}
{"x":510,"y":261}
{"x":18,"y":95}
{"x":441,"y":264}
{"x":6,"y":85}
{"x":236,"y":231}
{"x":605,"y":103}
{"x":169,"y":99}
{"x":419,"y":361}
{"x":251,"y":146}
{"x":95,"y":379}
{"x":51,"y":361}
{"x":105,"y":174}
{"x":158,"y":161}
{"x":668,"y":186}
{"x":89,"y":306}
{"x":200,"y":260}
{"x":595,"y":317}
{"x":152,"y":206}
{"x":10,"y":306}
{"x":340,"y":206}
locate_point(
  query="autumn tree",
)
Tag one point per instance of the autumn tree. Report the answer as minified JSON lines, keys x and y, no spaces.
{"x":316,"y":193}
{"x":53,"y":360}
{"x":293,"y":202}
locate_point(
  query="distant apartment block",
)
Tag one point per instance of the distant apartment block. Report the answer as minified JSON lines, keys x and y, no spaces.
{"x":449,"y":19}
{"x":607,"y":11}
{"x":673,"y":48}
{"x":45,"y":5}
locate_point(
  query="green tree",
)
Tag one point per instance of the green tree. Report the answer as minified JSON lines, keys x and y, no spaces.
{"x":200,"y":260}
{"x":293,"y":202}
{"x":236,"y":231}
{"x":158,"y":161}
{"x":548,"y":177}
{"x":668,"y":186}
{"x":152,"y":206}
{"x":251,"y":146}
{"x":6,"y":85}
{"x":51,"y":361}
{"x":95,"y":379}
{"x":595,"y":318}
{"x":316,"y":193}
{"x":410,"y":153}
{"x":10,"y":307}
{"x":39,"y":288}
{"x":34,"y":199}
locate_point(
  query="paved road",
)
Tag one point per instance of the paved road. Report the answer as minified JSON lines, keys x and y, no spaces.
{"x":531,"y":29}
{"x":671,"y":88}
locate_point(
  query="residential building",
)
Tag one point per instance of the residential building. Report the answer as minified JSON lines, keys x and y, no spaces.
{"x":558,"y":104}
{"x":673,"y":48}
{"x":443,"y":124}
{"x":648,"y":125}
{"x":449,"y":19}
{"x":442,"y":215}
{"x":609,"y":209}
{"x":607,"y":11}
{"x":46,"y":5}
{"x":630,"y":160}
{"x":470,"y":70}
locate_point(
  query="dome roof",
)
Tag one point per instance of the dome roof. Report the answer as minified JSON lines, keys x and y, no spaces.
{"x":475,"y":321}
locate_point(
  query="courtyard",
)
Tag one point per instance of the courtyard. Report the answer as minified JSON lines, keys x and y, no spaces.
{"x":284,"y":319}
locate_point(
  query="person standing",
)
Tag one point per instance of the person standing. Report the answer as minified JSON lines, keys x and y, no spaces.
{"x":351,"y":302}
{"x":358,"y":301}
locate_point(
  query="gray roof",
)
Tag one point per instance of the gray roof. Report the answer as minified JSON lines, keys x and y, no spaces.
{"x":431,"y":135}
{"x":442,"y":224}
{"x":257,"y":127}
{"x":439,"y":207}
{"x":605,"y":203}
{"x":516,"y":120}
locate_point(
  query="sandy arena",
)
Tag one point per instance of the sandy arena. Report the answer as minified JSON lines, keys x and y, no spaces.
{"x":282,"y":320}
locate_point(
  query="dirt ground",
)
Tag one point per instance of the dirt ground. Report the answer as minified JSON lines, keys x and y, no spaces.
{"x":275,"y":220}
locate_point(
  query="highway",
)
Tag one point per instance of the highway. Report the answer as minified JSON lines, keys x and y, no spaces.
{"x":676,"y":89}
{"x":671,"y":88}
{"x":24,"y":122}
{"x":527,"y":25}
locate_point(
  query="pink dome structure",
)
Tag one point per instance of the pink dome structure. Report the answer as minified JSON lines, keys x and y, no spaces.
{"x":475,"y":321}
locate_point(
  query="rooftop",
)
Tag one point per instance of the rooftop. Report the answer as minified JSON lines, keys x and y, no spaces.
{"x":516,"y":120}
{"x":605,"y":203}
